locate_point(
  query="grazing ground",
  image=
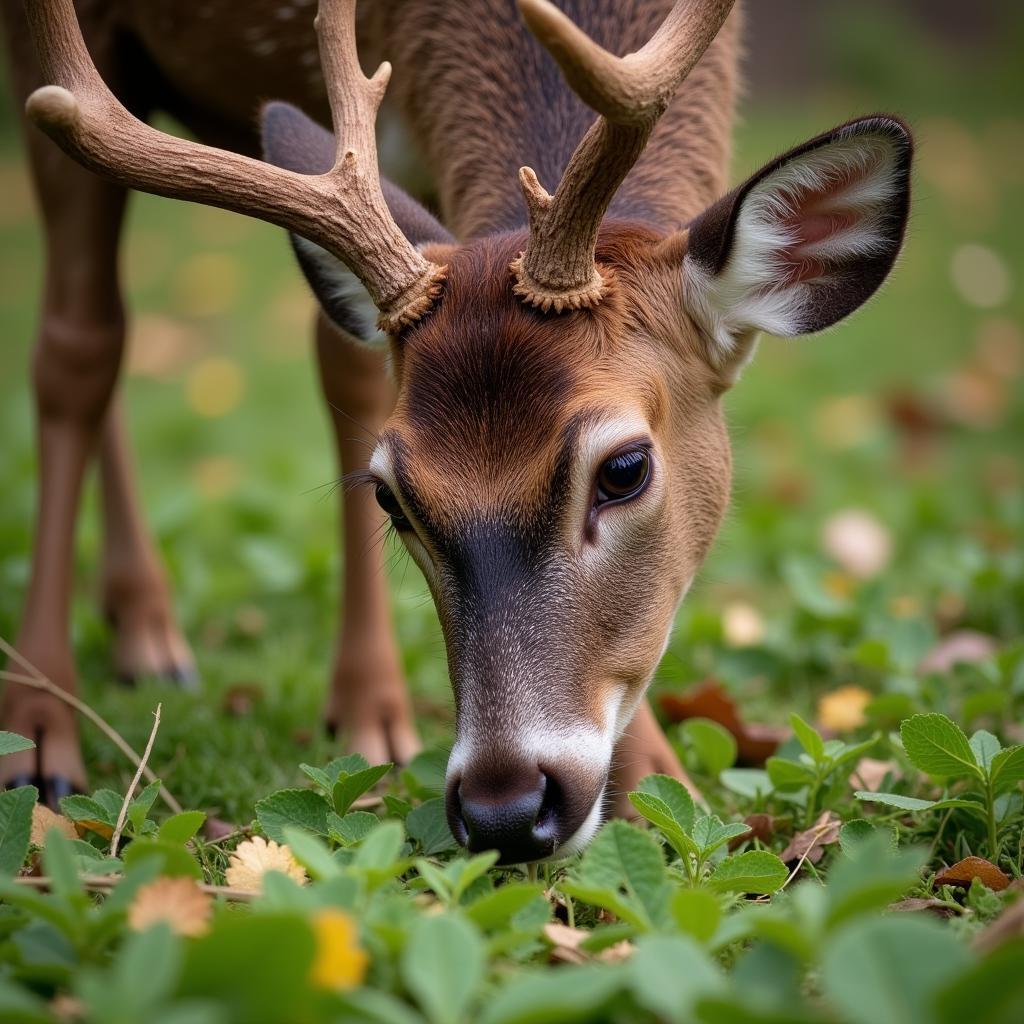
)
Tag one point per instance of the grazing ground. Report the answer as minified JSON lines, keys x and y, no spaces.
{"x":910,"y":415}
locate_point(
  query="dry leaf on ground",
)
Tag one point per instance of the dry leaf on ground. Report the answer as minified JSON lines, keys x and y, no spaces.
{"x":43,"y":819}
{"x":965,"y":871}
{"x":811,"y":843}
{"x":754,"y":743}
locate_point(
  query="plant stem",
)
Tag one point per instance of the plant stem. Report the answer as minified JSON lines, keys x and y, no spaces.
{"x":993,"y":844}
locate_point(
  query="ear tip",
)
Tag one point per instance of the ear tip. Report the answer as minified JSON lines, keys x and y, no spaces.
{"x":891,"y":125}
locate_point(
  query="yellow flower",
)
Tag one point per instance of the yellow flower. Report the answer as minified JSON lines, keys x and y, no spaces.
{"x":340,"y":961}
{"x":177,"y":902}
{"x":255,"y":857}
{"x":842,"y":710}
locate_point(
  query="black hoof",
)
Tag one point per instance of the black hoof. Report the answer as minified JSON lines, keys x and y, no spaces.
{"x":52,"y":788}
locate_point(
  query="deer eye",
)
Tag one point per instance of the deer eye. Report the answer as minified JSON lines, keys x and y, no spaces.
{"x":623,"y":476}
{"x":387,"y":501}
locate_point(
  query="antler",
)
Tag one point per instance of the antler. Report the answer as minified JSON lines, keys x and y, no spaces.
{"x":630,"y":93}
{"x":343,"y":211}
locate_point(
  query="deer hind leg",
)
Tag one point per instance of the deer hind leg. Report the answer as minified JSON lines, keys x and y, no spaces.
{"x":368,"y":702}
{"x":135,"y":594}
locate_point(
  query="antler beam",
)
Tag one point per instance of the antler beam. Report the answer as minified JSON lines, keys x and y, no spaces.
{"x":557,"y":269}
{"x":343,"y":211}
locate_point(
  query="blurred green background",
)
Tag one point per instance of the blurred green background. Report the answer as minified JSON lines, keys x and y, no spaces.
{"x":913,"y":412}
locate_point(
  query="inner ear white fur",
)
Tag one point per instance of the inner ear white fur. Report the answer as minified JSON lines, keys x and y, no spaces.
{"x":768,"y":282}
{"x":341,"y":294}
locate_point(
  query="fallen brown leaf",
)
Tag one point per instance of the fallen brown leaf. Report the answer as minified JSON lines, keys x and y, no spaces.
{"x":565,"y":943}
{"x":936,"y":907}
{"x":965,"y":871}
{"x":762,"y":826}
{"x":810,"y":843}
{"x":754,"y":743}
{"x":43,"y":819}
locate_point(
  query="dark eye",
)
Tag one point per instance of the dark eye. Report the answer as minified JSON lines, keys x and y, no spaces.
{"x":387,"y":501}
{"x":623,"y":475}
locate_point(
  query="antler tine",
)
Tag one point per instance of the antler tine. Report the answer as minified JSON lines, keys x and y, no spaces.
{"x":630,"y":93}
{"x":342,"y":211}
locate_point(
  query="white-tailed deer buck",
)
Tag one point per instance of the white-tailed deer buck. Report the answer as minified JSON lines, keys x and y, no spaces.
{"x":556,"y":461}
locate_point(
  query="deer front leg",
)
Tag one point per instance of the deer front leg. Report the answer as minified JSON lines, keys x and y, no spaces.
{"x":643,"y":750}
{"x":135,"y":595}
{"x":368,"y":702}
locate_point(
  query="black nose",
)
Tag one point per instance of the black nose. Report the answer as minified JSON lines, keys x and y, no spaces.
{"x":517,"y":814}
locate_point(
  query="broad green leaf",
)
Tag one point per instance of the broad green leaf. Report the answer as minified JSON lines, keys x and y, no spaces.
{"x":674,"y":794}
{"x":173,"y":858}
{"x":808,"y":738}
{"x":788,"y":776}
{"x":697,"y":912}
{"x":256,"y":966}
{"x":990,"y":992}
{"x":15,"y":827}
{"x":370,"y":1006}
{"x":443,"y":966}
{"x":349,"y":788}
{"x":608,"y":898}
{"x":59,"y":863}
{"x":985,"y":747}
{"x":555,"y":997}
{"x":854,"y":752}
{"x":912,"y":803}
{"x":464,"y":871}
{"x":434,"y":877}
{"x":311,"y":853}
{"x":381,"y":847}
{"x":713,"y":744}
{"x":180,"y":828}
{"x":709,"y":833}
{"x":353,"y":828}
{"x":885,"y":970}
{"x":428,"y":825}
{"x":658,"y":813}
{"x":755,"y":871}
{"x":84,"y":808}
{"x":12,"y":743}
{"x":300,"y":807}
{"x":495,"y":909}
{"x":858,"y":830}
{"x":937,"y":745}
{"x":868,"y":877}
{"x":627,"y":859}
{"x":752,"y":783}
{"x":1007,"y":768}
{"x":669,"y":973}
{"x":424,"y":775}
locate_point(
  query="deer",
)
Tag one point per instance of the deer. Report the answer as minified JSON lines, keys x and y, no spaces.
{"x":554,"y":455}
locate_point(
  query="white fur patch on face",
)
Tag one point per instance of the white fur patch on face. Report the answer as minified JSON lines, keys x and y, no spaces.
{"x":340,"y":290}
{"x":794,"y":227}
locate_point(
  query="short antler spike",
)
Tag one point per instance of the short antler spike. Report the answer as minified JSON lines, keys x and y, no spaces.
{"x":557,"y":270}
{"x":343,"y":211}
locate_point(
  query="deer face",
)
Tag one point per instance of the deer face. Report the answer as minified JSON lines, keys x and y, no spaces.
{"x":557,"y":480}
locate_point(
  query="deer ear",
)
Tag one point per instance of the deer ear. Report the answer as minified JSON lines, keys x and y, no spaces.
{"x":297,"y":143}
{"x":803,"y":242}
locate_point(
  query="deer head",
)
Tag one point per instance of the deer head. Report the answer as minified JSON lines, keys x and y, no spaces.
{"x":557,"y":462}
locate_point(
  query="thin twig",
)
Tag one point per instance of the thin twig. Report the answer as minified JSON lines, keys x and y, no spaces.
{"x":38,"y":681}
{"x":104,"y":883}
{"x":116,"y":837}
